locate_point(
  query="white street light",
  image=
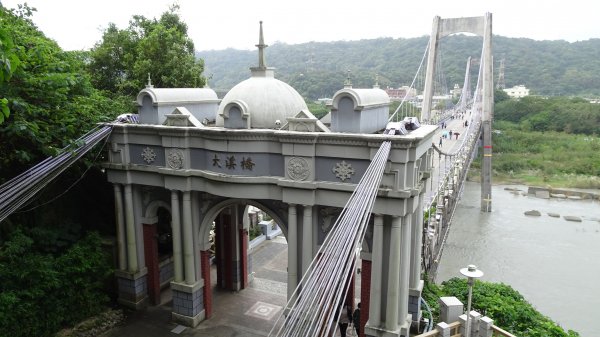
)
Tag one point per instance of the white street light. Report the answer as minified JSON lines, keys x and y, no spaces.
{"x":471,"y":272}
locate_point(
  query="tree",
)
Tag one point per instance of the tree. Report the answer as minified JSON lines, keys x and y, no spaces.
{"x":9,"y":62}
{"x":500,"y":96}
{"x":50,"y":96}
{"x":161,"y":49}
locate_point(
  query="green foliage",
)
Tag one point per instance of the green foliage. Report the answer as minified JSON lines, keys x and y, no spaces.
{"x":506,"y":306}
{"x":47,"y":290}
{"x":50,"y":97}
{"x":9,"y":62}
{"x":317,"y":109}
{"x":318,"y":69}
{"x":557,"y":157}
{"x":543,"y":141}
{"x":570,"y":115}
{"x":500,"y":96}
{"x":161,"y":49}
{"x":254,"y":232}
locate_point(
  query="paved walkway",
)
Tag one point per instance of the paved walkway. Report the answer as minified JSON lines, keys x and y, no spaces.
{"x":251,"y":312}
{"x":448,"y":145}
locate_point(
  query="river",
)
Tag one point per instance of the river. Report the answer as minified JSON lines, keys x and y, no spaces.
{"x":553,"y":262}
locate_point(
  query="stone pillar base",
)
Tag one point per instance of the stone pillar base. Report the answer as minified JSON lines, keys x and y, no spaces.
{"x":402,"y":331}
{"x":187,"y":320}
{"x":132,"y":289}
{"x":188,"y":303}
{"x":414,"y":305}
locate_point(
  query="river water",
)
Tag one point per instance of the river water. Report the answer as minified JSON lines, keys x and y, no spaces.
{"x":553,"y":262}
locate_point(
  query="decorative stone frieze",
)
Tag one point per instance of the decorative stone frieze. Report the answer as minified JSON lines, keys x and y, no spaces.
{"x":175,"y":159}
{"x":298,"y":168}
{"x":343,"y":170}
{"x":148,"y":155}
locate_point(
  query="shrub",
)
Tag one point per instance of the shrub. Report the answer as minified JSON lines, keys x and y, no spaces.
{"x":506,"y":306}
{"x":41,"y":292}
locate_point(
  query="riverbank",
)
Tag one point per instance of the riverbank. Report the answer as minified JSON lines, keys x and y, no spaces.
{"x":536,"y":178}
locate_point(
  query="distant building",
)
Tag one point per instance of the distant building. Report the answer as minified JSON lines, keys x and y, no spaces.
{"x":400,"y":93}
{"x":517,"y":91}
{"x":324,"y":100}
{"x":456,"y":92}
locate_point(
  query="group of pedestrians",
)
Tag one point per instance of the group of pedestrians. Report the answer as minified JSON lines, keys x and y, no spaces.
{"x":448,"y":134}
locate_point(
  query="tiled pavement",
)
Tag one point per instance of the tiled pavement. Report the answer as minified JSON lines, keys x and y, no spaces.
{"x":250,"y":312}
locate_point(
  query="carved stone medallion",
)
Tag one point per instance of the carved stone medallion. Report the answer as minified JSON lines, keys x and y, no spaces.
{"x":148,"y":155}
{"x":343,"y":170}
{"x":175,"y":159}
{"x":298,"y":168}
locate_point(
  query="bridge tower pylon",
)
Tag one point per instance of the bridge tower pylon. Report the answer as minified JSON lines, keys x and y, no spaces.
{"x":481,"y":26}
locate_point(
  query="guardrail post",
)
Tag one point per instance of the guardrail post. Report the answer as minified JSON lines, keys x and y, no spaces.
{"x":443,"y":328}
{"x":474,"y":321}
{"x":485,"y":327}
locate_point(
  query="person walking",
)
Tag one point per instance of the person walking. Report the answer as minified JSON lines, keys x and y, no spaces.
{"x":356,"y":319}
{"x":440,"y":144}
{"x":344,"y":318}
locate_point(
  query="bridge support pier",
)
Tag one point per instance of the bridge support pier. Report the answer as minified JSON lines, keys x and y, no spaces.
{"x":416,"y":247}
{"x":388,"y":306}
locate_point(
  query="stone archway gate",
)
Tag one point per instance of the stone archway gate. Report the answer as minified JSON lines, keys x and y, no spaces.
{"x":303,"y":178}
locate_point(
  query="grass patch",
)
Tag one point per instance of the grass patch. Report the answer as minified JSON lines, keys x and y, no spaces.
{"x":553,"y":159}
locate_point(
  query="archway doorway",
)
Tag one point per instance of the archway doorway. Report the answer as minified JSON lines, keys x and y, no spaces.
{"x":248,"y":264}
{"x":158,"y":254}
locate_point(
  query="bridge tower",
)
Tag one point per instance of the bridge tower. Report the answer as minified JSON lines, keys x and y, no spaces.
{"x":482,"y":26}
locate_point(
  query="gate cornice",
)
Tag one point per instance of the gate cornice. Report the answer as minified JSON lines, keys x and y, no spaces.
{"x":313,"y":168}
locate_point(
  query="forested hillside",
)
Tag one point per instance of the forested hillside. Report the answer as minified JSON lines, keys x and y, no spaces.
{"x":318,"y":69}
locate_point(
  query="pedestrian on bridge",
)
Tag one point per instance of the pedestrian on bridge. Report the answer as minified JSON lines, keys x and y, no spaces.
{"x":440,"y":145}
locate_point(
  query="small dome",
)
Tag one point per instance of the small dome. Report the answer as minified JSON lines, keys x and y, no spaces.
{"x":265,"y":99}
{"x":260,"y":102}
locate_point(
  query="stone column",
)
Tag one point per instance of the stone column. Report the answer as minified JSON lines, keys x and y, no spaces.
{"x":376,"y":269}
{"x":120,"y":221}
{"x":307,"y":236}
{"x":416,"y":245}
{"x":132,"y":263}
{"x":188,"y":246}
{"x":132,"y":280}
{"x":292,"y":251}
{"x":176,"y":228}
{"x":404,"y":273}
{"x":393,"y":284}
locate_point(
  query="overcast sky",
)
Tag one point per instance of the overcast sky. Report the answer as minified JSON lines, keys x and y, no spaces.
{"x":220,"y":24}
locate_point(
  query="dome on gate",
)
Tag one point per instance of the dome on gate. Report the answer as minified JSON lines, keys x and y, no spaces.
{"x":262,"y":101}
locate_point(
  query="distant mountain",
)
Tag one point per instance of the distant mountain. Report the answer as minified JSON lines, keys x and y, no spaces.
{"x":318,"y":69}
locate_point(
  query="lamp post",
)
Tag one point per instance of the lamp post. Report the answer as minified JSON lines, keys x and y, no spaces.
{"x":471,"y":272}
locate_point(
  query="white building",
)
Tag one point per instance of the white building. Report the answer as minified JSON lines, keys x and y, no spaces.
{"x":517,"y":91}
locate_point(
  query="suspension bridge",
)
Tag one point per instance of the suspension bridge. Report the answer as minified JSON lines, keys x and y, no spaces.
{"x":386,"y":197}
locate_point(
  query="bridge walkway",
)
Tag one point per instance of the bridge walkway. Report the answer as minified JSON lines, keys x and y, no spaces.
{"x":448,"y":145}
